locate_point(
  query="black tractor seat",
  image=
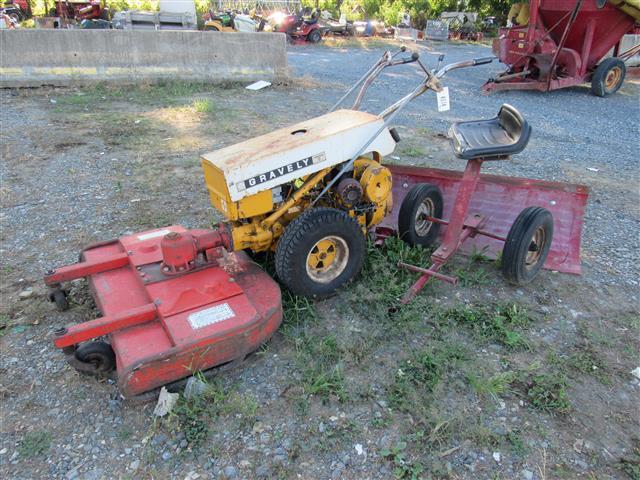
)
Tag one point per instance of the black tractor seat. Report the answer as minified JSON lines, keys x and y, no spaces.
{"x":494,"y":139}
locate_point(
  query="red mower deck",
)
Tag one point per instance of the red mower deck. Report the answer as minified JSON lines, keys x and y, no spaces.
{"x":164,"y":326}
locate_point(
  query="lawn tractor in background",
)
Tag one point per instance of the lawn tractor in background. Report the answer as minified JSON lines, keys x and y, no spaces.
{"x":16,"y":10}
{"x":175,"y":301}
{"x":80,"y":10}
{"x":231,"y":22}
{"x":563,"y":43}
{"x":299,"y":27}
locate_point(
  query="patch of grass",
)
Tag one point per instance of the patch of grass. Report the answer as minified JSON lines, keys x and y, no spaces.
{"x":376,"y":294}
{"x":403,"y":468}
{"x":195,"y":416}
{"x":494,"y":386}
{"x":469,"y":277}
{"x":412,"y":151}
{"x":297,"y":310}
{"x":583,"y":360}
{"x":547,"y":392}
{"x":418,"y":376}
{"x":34,"y":444}
{"x":631,"y":463}
{"x":204,"y":106}
{"x":501,"y":324}
{"x":516,"y":443}
{"x":320,"y":361}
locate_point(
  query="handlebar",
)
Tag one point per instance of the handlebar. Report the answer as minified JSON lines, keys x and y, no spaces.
{"x":466,"y":63}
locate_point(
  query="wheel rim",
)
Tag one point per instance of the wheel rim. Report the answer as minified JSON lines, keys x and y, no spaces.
{"x":536,"y":247}
{"x":426,"y":209}
{"x":327,"y":259}
{"x":613,"y":77}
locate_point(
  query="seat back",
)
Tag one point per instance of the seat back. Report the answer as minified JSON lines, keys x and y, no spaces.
{"x":511,"y":121}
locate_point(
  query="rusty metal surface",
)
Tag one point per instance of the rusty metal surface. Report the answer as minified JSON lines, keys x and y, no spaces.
{"x":500,"y":199}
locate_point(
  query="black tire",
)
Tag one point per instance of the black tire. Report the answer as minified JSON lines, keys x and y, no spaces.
{"x":98,"y":353}
{"x":59,"y":297}
{"x":608,"y":77}
{"x":210,"y":28}
{"x":423,"y":198}
{"x":315,"y":36}
{"x":303,"y":236}
{"x":527,"y":245}
{"x":105,"y":14}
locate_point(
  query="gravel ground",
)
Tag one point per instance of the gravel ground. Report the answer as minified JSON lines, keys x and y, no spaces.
{"x":85,"y":165}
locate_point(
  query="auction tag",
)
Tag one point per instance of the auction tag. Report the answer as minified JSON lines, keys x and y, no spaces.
{"x":211,"y":315}
{"x":443,"y":99}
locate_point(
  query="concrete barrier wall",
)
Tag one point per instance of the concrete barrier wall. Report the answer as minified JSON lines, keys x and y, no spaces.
{"x":71,"y":57}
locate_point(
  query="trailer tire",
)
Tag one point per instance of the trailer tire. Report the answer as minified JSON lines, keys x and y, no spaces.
{"x":608,"y":77}
{"x":422,"y":199}
{"x":98,"y":353}
{"x":527,"y":245}
{"x":320,"y":251}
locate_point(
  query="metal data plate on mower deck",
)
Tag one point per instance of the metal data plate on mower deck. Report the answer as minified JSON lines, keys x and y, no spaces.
{"x":500,"y":199}
{"x":204,"y":318}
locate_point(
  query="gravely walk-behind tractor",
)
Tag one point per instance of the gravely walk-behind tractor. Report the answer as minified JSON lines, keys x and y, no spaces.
{"x":175,"y":301}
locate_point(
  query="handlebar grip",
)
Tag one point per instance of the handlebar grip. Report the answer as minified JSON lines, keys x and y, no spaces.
{"x":415,"y":56}
{"x":482,"y":61}
{"x":403,"y":48}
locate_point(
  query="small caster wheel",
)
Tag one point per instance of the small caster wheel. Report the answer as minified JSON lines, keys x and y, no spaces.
{"x":98,"y":355}
{"x":527,"y":245}
{"x":59,"y":297}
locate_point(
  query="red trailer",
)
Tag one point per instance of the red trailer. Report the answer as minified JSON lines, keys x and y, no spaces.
{"x":564,"y":44}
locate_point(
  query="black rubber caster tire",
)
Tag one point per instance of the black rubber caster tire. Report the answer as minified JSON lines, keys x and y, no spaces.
{"x":527,"y":245}
{"x":59,"y":297}
{"x":422,"y":199}
{"x":608,"y":77}
{"x":319,"y":252}
{"x":98,"y":353}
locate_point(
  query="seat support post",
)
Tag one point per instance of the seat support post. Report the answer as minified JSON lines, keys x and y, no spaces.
{"x":467,"y":186}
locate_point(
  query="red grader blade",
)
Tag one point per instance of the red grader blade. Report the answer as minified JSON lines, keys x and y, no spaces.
{"x":500,"y":199}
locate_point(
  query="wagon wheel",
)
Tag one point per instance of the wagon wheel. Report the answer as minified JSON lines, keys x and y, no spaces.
{"x":527,"y":245}
{"x":608,"y":77}
{"x":423,"y":200}
{"x":320,"y":251}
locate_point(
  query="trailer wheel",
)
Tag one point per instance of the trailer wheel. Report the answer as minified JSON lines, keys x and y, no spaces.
{"x":59,"y":297}
{"x":99,"y":354}
{"x":320,"y":251}
{"x":315,"y":36}
{"x":423,"y":200}
{"x":527,"y":245}
{"x":608,"y":77}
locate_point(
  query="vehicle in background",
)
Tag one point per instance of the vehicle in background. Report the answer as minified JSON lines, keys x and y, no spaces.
{"x":297,"y":26}
{"x":336,"y":27}
{"x":16,"y":10}
{"x":230,"y":22}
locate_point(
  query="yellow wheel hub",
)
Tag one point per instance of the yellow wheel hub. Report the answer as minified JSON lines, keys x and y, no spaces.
{"x":613,"y":77}
{"x":327,"y":259}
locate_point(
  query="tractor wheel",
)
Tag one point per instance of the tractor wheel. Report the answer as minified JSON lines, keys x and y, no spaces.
{"x":423,"y":200}
{"x":315,"y":36}
{"x":320,"y":251}
{"x":608,"y":77}
{"x":59,"y":297}
{"x":527,"y":245}
{"x":98,"y":353}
